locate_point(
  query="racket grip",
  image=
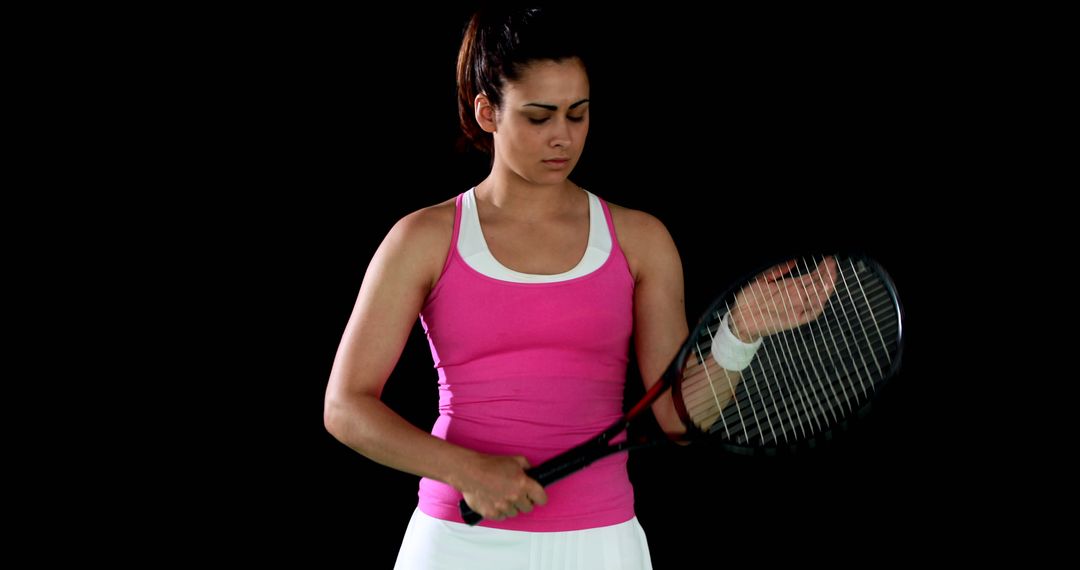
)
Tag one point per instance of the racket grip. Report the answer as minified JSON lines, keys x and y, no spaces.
{"x":470,"y":516}
{"x":558,"y":467}
{"x":546,"y":473}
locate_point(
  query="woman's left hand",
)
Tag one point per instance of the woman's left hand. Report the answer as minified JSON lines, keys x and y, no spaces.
{"x":772,"y":303}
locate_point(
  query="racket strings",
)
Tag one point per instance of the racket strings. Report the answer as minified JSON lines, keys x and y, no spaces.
{"x":766,"y":365}
{"x":829,"y":396}
{"x":712,"y":388}
{"x":803,"y":380}
{"x":826,"y":396}
{"x":792,"y":399}
{"x":807,"y":419}
{"x":785,"y":300}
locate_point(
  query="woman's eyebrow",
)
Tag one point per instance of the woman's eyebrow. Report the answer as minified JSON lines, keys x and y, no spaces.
{"x":554,"y":107}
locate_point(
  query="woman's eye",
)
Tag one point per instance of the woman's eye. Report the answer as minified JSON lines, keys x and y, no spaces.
{"x":544,"y":120}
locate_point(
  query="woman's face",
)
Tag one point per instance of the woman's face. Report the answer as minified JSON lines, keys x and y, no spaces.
{"x":541,"y":127}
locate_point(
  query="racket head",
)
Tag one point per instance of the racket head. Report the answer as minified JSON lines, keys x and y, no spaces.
{"x":803,"y":384}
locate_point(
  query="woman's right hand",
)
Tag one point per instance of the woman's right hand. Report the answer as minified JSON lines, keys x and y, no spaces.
{"x":497,"y":487}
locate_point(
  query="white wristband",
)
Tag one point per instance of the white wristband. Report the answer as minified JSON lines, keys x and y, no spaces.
{"x":729,"y":351}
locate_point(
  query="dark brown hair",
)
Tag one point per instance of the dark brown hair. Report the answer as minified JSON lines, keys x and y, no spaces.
{"x":499,"y":43}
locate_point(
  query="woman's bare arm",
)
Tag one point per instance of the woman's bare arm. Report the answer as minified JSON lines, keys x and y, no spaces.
{"x":396,"y":284}
{"x":659,"y":310}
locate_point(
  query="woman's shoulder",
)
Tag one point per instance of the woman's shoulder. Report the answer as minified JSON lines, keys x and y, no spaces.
{"x":432,"y":222}
{"x":635,"y":225}
{"x":421,"y":239}
{"x":644,"y":240}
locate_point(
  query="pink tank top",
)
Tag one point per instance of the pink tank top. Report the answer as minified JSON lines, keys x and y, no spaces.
{"x":533,"y":369}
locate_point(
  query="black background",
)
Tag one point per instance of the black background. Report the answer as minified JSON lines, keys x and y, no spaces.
{"x":300,"y":138}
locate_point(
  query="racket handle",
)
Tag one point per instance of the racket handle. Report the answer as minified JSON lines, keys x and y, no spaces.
{"x":560,"y":466}
{"x":470,"y":516}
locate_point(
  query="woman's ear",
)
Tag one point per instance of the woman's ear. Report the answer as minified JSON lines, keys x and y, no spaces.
{"x":485,"y":113}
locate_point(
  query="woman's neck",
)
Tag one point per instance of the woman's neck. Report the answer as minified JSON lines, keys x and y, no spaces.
{"x":519,"y":199}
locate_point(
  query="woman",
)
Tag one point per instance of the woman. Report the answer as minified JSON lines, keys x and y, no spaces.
{"x":530,"y":289}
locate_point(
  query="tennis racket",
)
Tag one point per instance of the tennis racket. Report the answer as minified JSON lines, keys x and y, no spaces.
{"x":830,"y":335}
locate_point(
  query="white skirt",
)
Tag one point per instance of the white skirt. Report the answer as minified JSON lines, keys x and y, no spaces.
{"x":435,"y":544}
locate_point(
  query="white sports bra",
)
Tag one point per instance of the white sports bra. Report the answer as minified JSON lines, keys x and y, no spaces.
{"x":474,"y":249}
